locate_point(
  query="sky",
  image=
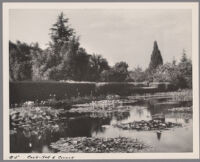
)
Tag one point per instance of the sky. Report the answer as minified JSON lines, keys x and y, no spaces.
{"x":118,"y":35}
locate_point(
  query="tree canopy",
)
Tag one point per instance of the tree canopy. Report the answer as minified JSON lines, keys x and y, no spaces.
{"x":66,"y":59}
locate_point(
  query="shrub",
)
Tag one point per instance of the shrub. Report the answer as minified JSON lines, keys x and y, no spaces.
{"x":179,"y":75}
{"x":137,"y":75}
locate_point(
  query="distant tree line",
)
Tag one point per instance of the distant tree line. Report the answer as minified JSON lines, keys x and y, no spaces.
{"x":179,"y":74}
{"x":65,"y":59}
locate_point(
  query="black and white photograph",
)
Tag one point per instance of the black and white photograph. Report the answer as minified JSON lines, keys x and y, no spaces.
{"x":101,"y":80}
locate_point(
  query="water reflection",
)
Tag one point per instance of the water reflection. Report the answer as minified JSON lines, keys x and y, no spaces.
{"x":72,"y":127}
{"x":100,"y":125}
{"x":84,"y":126}
{"x":159,"y":133}
{"x":174,"y":140}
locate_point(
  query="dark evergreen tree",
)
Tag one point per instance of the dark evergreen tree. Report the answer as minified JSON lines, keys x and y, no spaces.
{"x":66,"y":59}
{"x":156,"y":58}
{"x":60,"y":34}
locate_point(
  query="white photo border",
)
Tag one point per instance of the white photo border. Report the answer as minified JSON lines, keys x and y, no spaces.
{"x":194,"y":6}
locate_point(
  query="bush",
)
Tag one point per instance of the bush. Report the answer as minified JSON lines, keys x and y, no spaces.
{"x":179,"y":75}
{"x":118,"y":73}
{"x":137,"y":75}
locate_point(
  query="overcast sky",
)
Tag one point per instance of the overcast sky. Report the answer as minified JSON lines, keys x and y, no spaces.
{"x":118,"y":35}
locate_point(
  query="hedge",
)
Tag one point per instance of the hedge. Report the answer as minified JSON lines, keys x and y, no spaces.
{"x":43,"y":90}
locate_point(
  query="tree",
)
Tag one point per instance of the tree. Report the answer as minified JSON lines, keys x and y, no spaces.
{"x":14,"y":62}
{"x":108,"y":75}
{"x":179,"y":75}
{"x":37,"y":60}
{"x":65,"y":59}
{"x":184,"y":57}
{"x":68,"y":63}
{"x":75,"y":61}
{"x":185,"y":68}
{"x":166,"y":73}
{"x":118,"y":73}
{"x":137,"y":75}
{"x":60,"y":34}
{"x":121,"y":71}
{"x":156,"y":58}
{"x":97,"y":64}
{"x":20,"y":61}
{"x":82,"y":60}
{"x":170,"y":73}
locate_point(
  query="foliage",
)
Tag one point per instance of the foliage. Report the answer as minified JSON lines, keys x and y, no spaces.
{"x":43,"y":90}
{"x":138,"y":75}
{"x":97,"y":64}
{"x":180,"y":75}
{"x":65,"y":52}
{"x":73,"y":63}
{"x":156,"y":58}
{"x":118,"y":73}
{"x":165,"y":73}
{"x":185,"y":69}
{"x":65,"y":59}
{"x":61,"y":33}
{"x":20,"y":60}
{"x":37,"y":60}
{"x":184,"y":57}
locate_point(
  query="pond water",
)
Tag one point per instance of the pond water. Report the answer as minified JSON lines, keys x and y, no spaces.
{"x":178,"y":139}
{"x":173,"y":140}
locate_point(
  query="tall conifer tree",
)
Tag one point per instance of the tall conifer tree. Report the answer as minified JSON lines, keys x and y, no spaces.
{"x":156,"y":58}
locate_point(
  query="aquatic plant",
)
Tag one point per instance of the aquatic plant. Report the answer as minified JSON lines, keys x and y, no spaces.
{"x":99,"y":145}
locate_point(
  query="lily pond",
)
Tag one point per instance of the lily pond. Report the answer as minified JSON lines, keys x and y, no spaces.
{"x":148,"y":123}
